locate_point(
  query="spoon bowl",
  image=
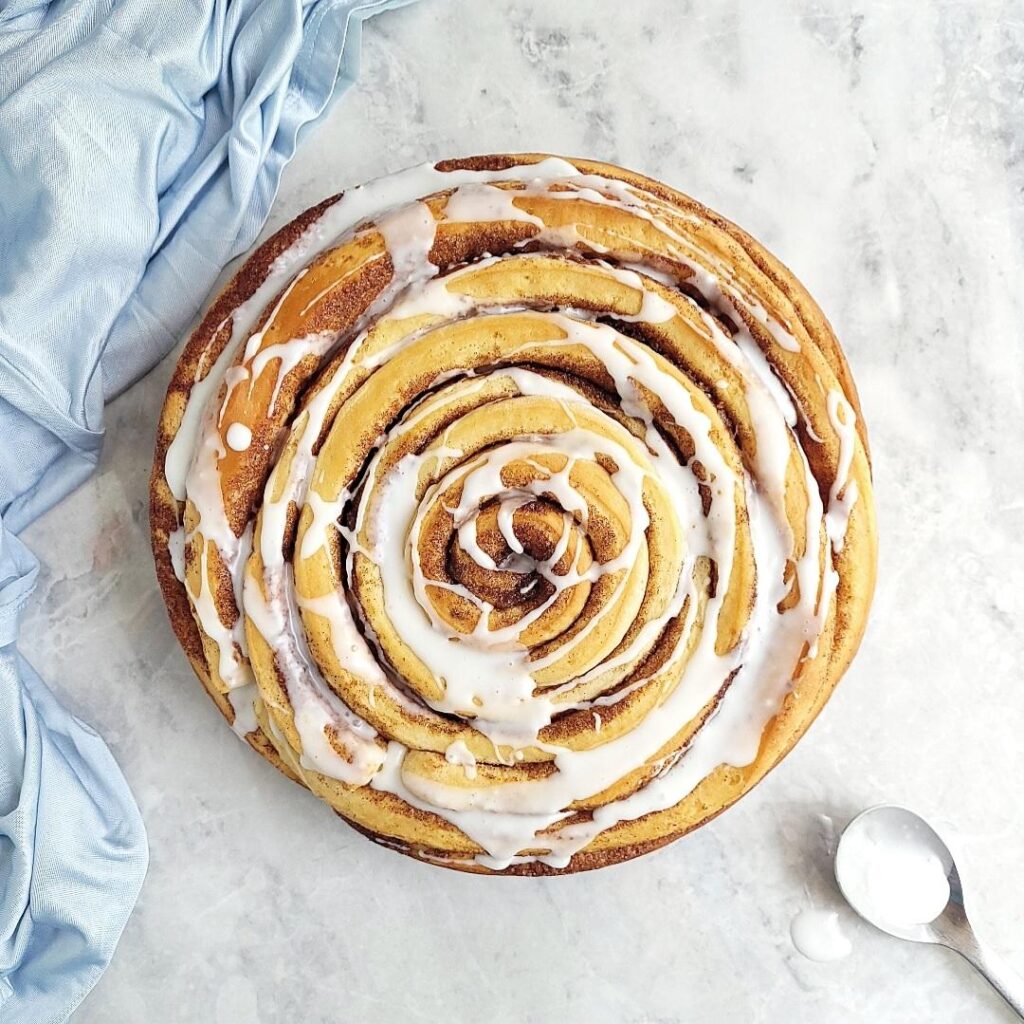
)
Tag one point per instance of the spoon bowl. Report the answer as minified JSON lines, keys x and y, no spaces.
{"x":894,"y":869}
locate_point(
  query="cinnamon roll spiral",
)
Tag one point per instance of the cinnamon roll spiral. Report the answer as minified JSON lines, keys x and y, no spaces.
{"x":518,"y":507}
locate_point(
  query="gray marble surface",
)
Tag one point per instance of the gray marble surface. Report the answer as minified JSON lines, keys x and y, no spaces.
{"x":878,"y":148}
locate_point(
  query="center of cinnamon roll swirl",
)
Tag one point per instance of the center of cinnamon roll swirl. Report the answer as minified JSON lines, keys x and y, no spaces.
{"x":505,"y":552}
{"x":518,"y":563}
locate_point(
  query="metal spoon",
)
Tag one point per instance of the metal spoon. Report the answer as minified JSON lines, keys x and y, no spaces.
{"x":951,"y":927}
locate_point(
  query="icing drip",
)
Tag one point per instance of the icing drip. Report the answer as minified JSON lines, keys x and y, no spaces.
{"x":176,"y":547}
{"x":459,"y":753}
{"x":241,"y":701}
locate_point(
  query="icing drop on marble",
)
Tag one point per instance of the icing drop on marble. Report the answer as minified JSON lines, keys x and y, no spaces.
{"x":818,"y":935}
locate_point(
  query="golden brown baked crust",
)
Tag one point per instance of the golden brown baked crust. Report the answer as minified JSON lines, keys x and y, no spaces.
{"x":333,"y":295}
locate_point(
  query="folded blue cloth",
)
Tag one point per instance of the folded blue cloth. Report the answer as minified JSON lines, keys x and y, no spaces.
{"x":141,"y":144}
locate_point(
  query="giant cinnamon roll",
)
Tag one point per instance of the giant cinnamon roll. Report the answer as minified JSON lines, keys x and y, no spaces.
{"x":518,"y":507}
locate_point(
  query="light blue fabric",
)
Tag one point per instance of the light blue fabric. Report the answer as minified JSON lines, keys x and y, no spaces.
{"x":141,"y":144}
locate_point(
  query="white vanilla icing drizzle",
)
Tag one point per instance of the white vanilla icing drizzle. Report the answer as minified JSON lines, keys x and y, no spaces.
{"x":487,"y":674}
{"x":459,"y":753}
{"x":318,"y":714}
{"x":181,"y":450}
{"x":290,"y":353}
{"x":654,"y":308}
{"x":176,"y":548}
{"x":242,"y":702}
{"x":842,"y":495}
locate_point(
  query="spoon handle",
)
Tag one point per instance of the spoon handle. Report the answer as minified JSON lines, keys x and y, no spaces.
{"x":1007,"y":982}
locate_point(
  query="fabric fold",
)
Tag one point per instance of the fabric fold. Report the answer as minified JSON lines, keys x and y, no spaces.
{"x":141,"y":148}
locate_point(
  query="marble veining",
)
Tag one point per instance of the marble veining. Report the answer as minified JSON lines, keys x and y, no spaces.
{"x":878,"y":148}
